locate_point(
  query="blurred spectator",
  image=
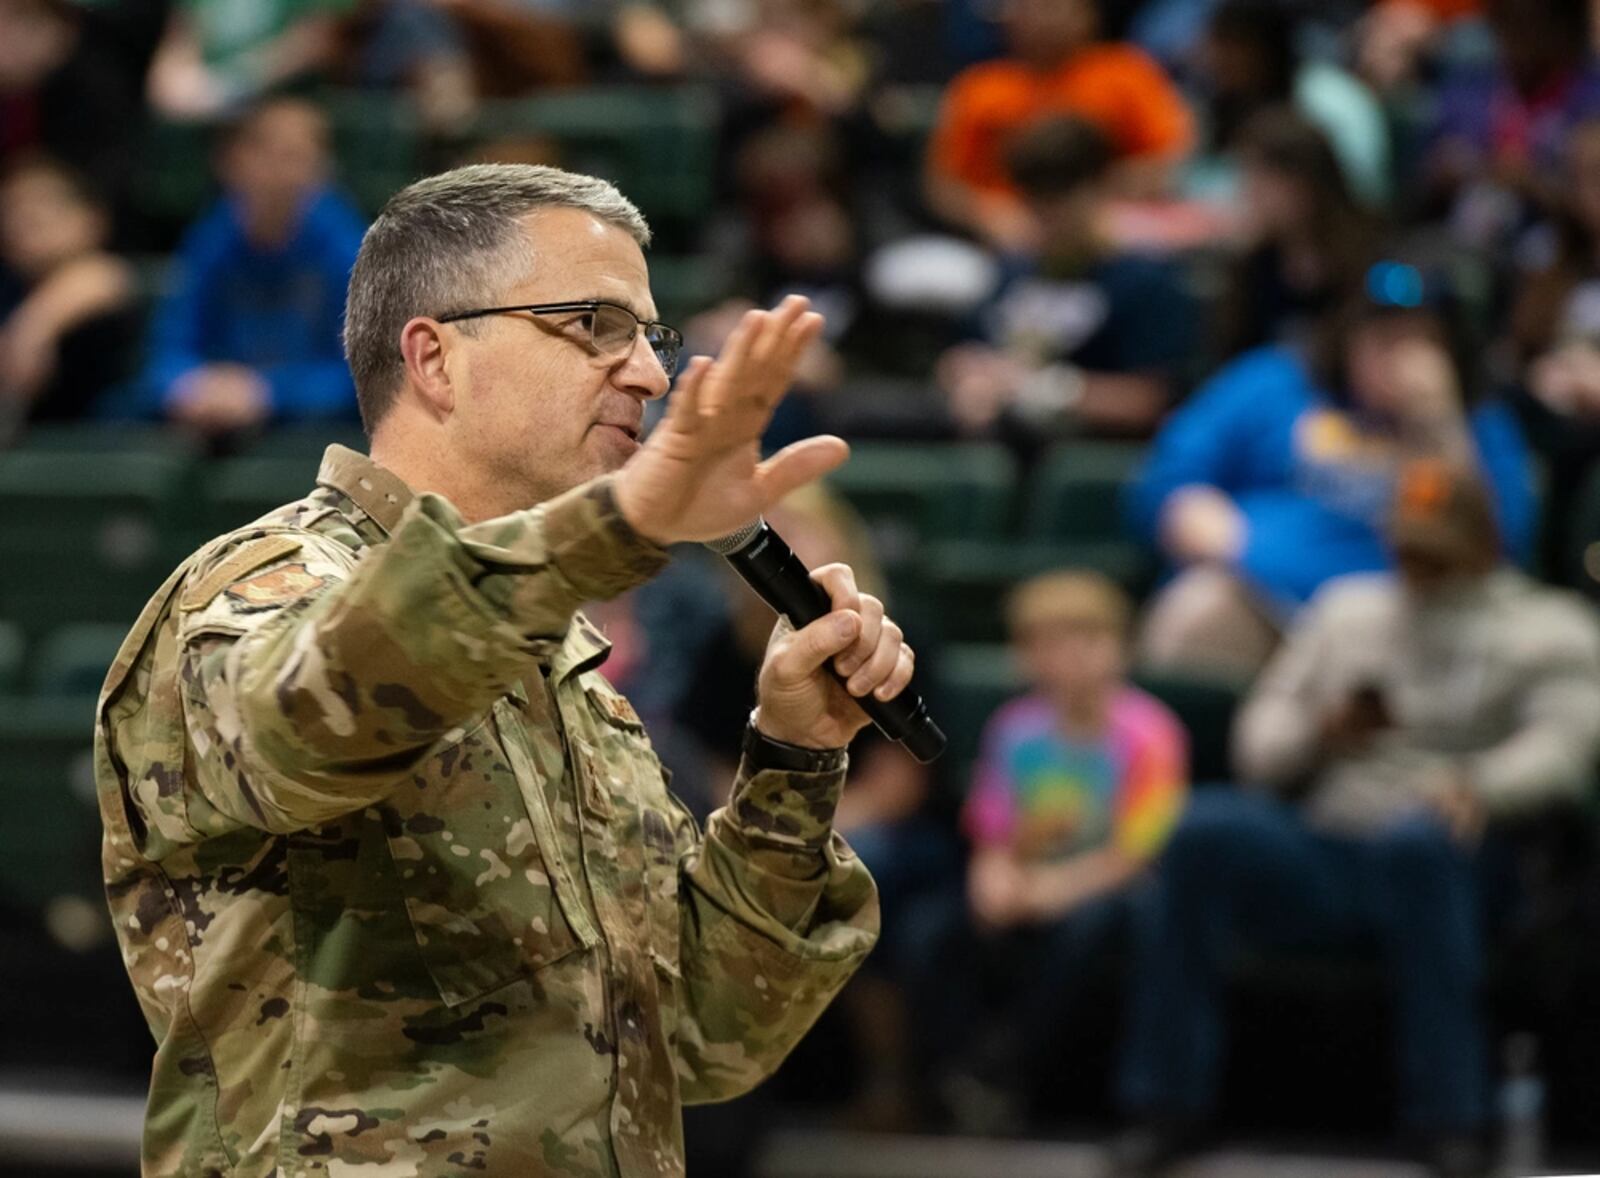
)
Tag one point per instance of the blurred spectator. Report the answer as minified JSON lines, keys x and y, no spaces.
{"x":1251,"y":64}
{"x":68,"y":323}
{"x":70,"y":89}
{"x":250,"y":331}
{"x":1498,"y":139}
{"x":1396,"y":37}
{"x":1309,"y":241}
{"x":1276,"y":475}
{"x":888,"y":813}
{"x":1555,"y":329}
{"x":452,"y":53}
{"x":1084,"y":337}
{"x":218,"y":56}
{"x":1059,"y":65}
{"x":1404,"y":712}
{"x":1076,"y":788}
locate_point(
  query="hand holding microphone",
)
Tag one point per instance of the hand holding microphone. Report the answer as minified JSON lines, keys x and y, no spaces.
{"x":700,"y":475}
{"x":870,"y":663}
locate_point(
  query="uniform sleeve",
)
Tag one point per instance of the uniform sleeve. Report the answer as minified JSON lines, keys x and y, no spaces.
{"x":776,"y":914}
{"x":313,"y":684}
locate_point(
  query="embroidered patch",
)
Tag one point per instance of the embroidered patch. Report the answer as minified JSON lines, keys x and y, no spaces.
{"x":275,"y":587}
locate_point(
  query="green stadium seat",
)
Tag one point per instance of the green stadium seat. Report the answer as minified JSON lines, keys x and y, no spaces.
{"x":50,"y":840}
{"x":975,"y":678}
{"x":88,"y":535}
{"x":97,"y":437}
{"x":173,"y":179}
{"x":377,"y":142}
{"x":657,"y":144}
{"x":960,"y":586}
{"x":1076,"y":492}
{"x":910,"y":494}
{"x":72,"y":661}
{"x":13,"y":649}
{"x":239,"y":490}
{"x":1206,"y":705}
{"x":684,"y":285}
{"x":305,"y":441}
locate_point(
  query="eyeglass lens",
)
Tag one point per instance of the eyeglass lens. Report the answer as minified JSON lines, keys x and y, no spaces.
{"x":613,"y":331}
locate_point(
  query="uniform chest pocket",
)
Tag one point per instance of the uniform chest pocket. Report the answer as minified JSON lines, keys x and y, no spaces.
{"x":650,"y":820}
{"x":482,"y":881}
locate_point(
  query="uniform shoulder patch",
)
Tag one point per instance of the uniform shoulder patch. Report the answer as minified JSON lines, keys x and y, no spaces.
{"x":249,"y":558}
{"x":276,"y":586}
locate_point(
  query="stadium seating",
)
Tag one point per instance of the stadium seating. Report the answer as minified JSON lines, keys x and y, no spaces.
{"x":910,"y":494}
{"x":87,"y":534}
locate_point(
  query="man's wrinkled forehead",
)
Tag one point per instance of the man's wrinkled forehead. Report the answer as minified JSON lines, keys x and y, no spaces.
{"x":574,"y":255}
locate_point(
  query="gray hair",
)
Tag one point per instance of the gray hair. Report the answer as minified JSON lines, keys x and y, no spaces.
{"x":445,"y":243}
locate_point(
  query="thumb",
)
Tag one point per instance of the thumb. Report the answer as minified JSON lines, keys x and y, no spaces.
{"x":808,"y":649}
{"x":798,"y":464}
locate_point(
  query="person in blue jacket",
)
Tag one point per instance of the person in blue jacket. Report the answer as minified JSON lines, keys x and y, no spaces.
{"x":249,"y":332}
{"x":1274,"y":477}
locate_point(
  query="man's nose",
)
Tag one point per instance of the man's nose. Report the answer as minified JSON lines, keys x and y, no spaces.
{"x":641,"y":373}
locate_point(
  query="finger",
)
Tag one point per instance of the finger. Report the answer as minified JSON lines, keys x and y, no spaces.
{"x":901,"y":678}
{"x":781,"y":319}
{"x":800,"y":336}
{"x":734,"y":356}
{"x":811,"y":646}
{"x":871,"y":611}
{"x":880,"y":664}
{"x":798,"y":464}
{"x":683,"y":406}
{"x":840,"y":582}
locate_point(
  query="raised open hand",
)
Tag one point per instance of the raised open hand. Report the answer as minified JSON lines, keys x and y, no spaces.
{"x":700,"y":473}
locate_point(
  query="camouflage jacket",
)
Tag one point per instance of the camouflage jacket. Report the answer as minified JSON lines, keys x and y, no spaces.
{"x":397,"y":876}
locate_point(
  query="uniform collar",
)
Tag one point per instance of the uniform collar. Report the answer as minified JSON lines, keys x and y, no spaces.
{"x":384,"y":497}
{"x":366,"y":484}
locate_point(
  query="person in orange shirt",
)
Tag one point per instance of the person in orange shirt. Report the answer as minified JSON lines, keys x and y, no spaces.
{"x":1058,"y":66}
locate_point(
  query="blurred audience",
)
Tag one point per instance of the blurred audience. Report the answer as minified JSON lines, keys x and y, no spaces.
{"x":1250,"y":63}
{"x":1076,"y":788}
{"x":70,"y":79}
{"x":69,"y":321}
{"x":1142,"y":192}
{"x":1498,"y":136}
{"x":1275,"y":477}
{"x":249,"y":333}
{"x":1308,"y":239}
{"x":1082,"y":337}
{"x":1396,"y":38}
{"x":888,"y":814}
{"x":1059,"y":64}
{"x":1404,"y":714}
{"x":216,"y":57}
{"x":1555,"y":334}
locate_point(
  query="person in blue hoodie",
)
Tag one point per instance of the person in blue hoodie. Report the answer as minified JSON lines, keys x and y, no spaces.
{"x":249,"y":333}
{"x":1274,"y":477}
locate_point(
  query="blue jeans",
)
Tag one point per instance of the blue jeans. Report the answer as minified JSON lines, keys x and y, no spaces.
{"x":1243,"y":868}
{"x":998,"y":1001}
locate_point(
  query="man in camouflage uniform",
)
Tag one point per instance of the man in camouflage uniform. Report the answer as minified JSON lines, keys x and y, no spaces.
{"x":396,"y":874}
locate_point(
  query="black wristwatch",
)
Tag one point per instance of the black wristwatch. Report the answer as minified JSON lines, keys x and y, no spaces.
{"x":763,"y":752}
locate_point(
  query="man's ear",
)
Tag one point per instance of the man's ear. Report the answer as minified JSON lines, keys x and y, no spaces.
{"x":424,"y":345}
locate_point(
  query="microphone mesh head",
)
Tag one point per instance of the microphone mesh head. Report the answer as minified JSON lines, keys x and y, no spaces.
{"x":733,"y":541}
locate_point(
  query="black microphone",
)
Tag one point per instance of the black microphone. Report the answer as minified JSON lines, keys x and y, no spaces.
{"x":770,"y":567}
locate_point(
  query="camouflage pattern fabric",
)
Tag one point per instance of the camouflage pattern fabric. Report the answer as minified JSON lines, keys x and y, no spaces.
{"x":398,"y":879}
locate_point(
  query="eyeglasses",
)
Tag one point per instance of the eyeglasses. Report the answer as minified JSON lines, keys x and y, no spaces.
{"x":612,"y":328}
